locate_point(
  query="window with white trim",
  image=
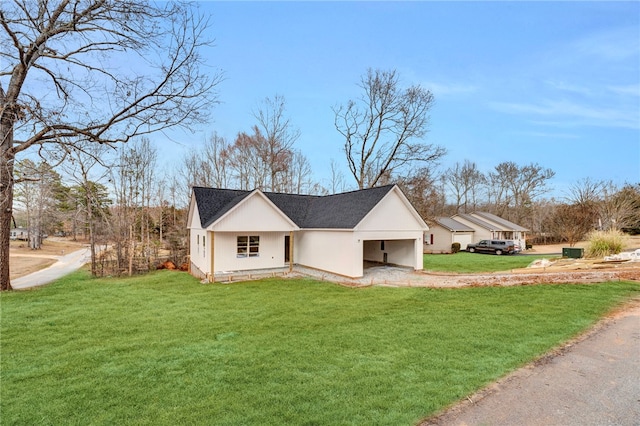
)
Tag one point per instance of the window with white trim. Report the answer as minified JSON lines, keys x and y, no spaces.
{"x":248,"y":246}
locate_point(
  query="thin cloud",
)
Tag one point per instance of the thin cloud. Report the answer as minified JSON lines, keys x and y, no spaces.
{"x":613,"y":45}
{"x":568,"y":87}
{"x":445,"y":89}
{"x":567,"y":112}
{"x":630,"y":89}
{"x":551,"y":135}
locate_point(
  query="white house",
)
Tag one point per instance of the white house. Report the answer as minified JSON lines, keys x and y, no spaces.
{"x":19,"y":234}
{"x":489,"y":226}
{"x":233,"y":230}
{"x":444,"y":232}
{"x":507,"y":230}
{"x":470,"y":228}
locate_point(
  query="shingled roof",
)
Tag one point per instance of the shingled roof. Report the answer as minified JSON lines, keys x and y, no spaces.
{"x":509,"y":226}
{"x":213,"y":203}
{"x":338,"y":211}
{"x":453,"y":225}
{"x":478,"y":221}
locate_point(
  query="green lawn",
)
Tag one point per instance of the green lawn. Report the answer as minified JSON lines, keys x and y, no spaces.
{"x":165,"y":349}
{"x":464,"y":262}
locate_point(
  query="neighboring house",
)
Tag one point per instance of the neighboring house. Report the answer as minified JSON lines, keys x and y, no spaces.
{"x":444,"y":232}
{"x":509,"y":231}
{"x":19,"y":234}
{"x":471,"y":228}
{"x":488,"y":226}
{"x":234,"y":230}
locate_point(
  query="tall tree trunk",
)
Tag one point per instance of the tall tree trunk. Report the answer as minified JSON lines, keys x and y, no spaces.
{"x":92,"y":240}
{"x":6,"y":197}
{"x":132,"y":247}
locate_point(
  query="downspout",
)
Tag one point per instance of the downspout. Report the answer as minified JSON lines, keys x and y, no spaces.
{"x":212,"y":246}
{"x":290,"y":251}
{"x":189,"y":250}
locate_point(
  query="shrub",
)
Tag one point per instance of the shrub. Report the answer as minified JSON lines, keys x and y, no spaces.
{"x":605,"y":243}
{"x":455,"y":247}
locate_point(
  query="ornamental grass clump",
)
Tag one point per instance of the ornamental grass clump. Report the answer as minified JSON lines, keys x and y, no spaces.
{"x":605,"y":243}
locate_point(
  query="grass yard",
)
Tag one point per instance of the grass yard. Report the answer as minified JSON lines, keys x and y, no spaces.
{"x":164,"y":349}
{"x":464,"y":262}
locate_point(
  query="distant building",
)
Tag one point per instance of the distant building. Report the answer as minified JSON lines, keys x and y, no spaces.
{"x":471,"y":228}
{"x":19,"y":234}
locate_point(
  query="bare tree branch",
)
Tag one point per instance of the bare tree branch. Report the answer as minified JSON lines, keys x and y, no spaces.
{"x":382,"y":130}
{"x":97,"y":71}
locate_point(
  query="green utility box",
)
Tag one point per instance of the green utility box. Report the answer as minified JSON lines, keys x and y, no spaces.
{"x":573,"y":252}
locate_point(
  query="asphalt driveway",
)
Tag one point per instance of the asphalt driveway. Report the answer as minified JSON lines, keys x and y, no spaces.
{"x":593,"y":381}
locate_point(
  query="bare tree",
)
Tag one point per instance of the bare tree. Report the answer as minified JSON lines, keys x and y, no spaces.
{"x":87,"y":165}
{"x":247,"y":163}
{"x":267,"y":158}
{"x":498,"y":197}
{"x":464,"y":181}
{"x":279,"y":135}
{"x":37,"y":187}
{"x":571,"y":222}
{"x":216,"y":156}
{"x":208,"y":165}
{"x":132,"y":177}
{"x":513,"y":188}
{"x":337,"y":183}
{"x":298,"y":177}
{"x":383,"y":129}
{"x":422,"y":189}
{"x":619,"y":207}
{"x":95,"y":70}
{"x":585,"y":191}
{"x":528,"y":184}
{"x":614,"y":207}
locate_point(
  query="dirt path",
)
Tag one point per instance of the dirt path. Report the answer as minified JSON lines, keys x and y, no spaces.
{"x":403,"y":277}
{"x":592,"y":380}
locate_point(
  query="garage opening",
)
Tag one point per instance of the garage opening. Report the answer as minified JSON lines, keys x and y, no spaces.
{"x":388,"y":252}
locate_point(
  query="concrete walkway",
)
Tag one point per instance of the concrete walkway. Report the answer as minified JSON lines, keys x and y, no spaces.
{"x":594,"y":381}
{"x":65,"y":265}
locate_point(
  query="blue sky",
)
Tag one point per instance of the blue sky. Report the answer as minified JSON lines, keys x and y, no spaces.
{"x":553,"y":83}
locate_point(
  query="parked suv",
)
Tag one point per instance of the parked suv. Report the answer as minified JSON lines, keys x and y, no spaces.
{"x":493,"y":246}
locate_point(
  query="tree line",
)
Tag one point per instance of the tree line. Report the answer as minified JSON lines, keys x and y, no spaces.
{"x":120,"y":199}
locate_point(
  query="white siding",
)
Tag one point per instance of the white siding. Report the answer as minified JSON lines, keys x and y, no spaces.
{"x":480,"y":232}
{"x":199,"y":249}
{"x":193,"y":221}
{"x":271,"y":252}
{"x":372,"y":251}
{"x":255,"y":214}
{"x":334,"y":251}
{"x":463,"y":239}
{"x":443,"y":238}
{"x":391,"y":214}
